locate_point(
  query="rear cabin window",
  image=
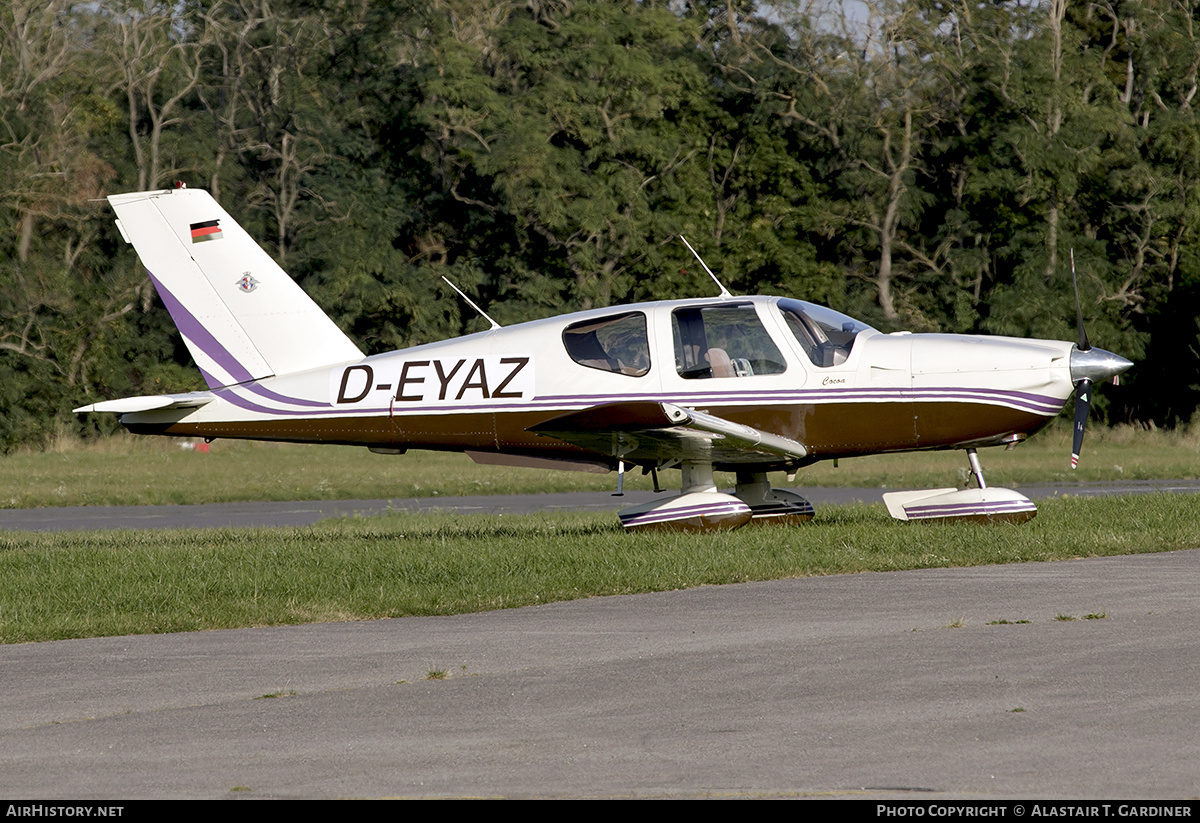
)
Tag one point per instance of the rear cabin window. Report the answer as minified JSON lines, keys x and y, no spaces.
{"x":617,"y":344}
{"x":723,"y":341}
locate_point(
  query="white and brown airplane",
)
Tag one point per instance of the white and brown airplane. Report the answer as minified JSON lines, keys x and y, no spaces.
{"x":749,"y":385}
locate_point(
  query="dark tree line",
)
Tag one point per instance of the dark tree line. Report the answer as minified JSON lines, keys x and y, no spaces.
{"x":930,"y":165}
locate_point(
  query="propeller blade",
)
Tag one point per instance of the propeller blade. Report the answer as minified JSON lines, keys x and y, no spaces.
{"x":1083,"y":405}
{"x":1084,"y":345}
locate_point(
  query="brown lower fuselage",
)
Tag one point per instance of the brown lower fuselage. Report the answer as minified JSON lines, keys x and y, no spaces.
{"x":830,"y":430}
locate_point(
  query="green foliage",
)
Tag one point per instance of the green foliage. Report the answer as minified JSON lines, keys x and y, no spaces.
{"x":930,"y":170}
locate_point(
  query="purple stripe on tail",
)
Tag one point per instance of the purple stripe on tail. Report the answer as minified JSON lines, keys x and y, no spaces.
{"x":194,"y":330}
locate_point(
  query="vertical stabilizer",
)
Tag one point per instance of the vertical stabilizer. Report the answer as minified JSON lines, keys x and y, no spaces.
{"x":241,"y":315}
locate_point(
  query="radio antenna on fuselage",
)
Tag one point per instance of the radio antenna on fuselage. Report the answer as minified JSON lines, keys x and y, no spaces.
{"x":724,"y":291}
{"x":471,"y":303}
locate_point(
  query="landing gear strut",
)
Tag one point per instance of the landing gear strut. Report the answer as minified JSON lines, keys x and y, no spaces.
{"x":699,"y":507}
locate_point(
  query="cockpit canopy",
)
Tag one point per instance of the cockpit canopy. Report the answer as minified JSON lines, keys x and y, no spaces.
{"x":713,"y":339}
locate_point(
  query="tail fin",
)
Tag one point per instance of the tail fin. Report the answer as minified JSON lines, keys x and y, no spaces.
{"x":241,"y":315}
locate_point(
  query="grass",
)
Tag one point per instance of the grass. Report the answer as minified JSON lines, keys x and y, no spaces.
{"x":127,"y":470}
{"x":86,"y":584}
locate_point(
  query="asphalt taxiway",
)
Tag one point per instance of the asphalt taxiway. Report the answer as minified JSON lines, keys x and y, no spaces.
{"x":307,"y":512}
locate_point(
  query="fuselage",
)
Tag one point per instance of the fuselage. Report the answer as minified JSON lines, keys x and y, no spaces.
{"x":781,"y":366}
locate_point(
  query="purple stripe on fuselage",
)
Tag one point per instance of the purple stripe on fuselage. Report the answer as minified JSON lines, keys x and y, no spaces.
{"x":566,"y":403}
{"x":192,"y":328}
{"x":1039,"y":404}
{"x":263,"y":391}
{"x":229,"y":394}
{"x":889,"y":394}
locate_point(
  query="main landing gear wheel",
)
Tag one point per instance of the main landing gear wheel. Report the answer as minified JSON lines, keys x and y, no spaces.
{"x":771,"y":506}
{"x":700,"y":507}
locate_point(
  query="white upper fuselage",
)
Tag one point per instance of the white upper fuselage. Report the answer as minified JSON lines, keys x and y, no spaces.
{"x":528,"y":370}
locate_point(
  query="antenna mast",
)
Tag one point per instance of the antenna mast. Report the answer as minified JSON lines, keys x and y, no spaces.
{"x":471,"y":303}
{"x":724,"y":291}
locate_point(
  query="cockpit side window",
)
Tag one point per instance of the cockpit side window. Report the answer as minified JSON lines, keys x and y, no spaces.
{"x":723,"y":341}
{"x":617,"y":343}
{"x":825,"y":335}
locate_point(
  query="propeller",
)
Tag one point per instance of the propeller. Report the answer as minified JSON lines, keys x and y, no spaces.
{"x":1083,"y":407}
{"x":1088,"y":366}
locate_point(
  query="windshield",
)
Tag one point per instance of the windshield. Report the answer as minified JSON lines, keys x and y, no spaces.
{"x":825,"y":335}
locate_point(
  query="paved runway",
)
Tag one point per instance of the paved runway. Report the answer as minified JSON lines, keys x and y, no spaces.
{"x":900,"y":685}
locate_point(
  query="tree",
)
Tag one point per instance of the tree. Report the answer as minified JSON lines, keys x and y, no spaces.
{"x":157,"y":59}
{"x":870,"y":102}
{"x":576,"y":125}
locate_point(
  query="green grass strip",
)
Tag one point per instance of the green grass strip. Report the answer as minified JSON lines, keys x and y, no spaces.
{"x":87,"y":584}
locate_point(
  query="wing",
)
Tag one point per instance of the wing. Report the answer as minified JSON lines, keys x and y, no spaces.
{"x":660,"y":432}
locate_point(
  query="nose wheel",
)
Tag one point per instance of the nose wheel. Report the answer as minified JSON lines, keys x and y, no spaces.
{"x":978,"y":505}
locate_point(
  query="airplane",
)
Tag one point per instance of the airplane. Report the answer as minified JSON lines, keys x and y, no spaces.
{"x":749,"y":385}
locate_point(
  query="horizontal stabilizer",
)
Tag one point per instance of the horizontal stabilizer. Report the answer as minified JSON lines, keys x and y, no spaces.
{"x":152,"y":402}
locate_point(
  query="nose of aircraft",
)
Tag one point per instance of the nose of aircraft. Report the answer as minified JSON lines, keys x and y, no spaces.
{"x":1096,"y":365}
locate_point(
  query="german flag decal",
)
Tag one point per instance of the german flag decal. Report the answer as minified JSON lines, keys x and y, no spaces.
{"x":208,"y":230}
